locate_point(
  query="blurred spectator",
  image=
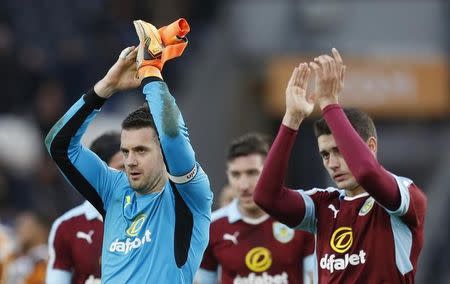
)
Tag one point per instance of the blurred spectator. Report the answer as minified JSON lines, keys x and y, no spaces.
{"x":15,"y":195}
{"x":6,"y":246}
{"x":50,"y":191}
{"x":27,"y":264}
{"x":49,"y":104}
{"x":20,"y":141}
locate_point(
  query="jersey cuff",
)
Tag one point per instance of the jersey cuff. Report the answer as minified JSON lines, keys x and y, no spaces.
{"x":184,"y":178}
{"x":94,"y":100}
{"x":309,"y":220}
{"x":403,"y":185}
{"x":150,"y":79}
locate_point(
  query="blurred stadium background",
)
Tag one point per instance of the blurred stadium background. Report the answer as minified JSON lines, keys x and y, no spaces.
{"x":230,"y":80}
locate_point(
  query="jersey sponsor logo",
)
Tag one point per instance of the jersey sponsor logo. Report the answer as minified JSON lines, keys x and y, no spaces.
{"x":281,"y":278}
{"x":136,"y":226}
{"x":130,"y":244}
{"x":87,"y":237}
{"x":282,"y":233}
{"x":335,"y":211}
{"x":367,"y":206}
{"x":342,"y":239}
{"x":232,"y":238}
{"x":333,"y":263}
{"x":258,"y":259}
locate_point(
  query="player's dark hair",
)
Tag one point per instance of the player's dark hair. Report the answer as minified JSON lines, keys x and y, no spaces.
{"x":360,"y":121}
{"x":106,"y":146}
{"x":139,"y":118}
{"x":251,"y":143}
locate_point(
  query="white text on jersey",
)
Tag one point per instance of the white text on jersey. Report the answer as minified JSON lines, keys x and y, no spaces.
{"x":263,"y":278}
{"x":332,"y":263}
{"x":130,"y":244}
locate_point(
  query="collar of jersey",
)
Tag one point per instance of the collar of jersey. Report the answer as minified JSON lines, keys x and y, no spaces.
{"x":235,"y":215}
{"x":350,"y":198}
{"x":90,"y":212}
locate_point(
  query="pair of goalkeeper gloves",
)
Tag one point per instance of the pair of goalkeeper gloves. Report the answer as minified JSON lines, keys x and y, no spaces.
{"x":157,"y":46}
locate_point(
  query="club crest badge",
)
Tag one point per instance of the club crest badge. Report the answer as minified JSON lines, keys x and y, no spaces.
{"x":282,"y":233}
{"x":367,"y":206}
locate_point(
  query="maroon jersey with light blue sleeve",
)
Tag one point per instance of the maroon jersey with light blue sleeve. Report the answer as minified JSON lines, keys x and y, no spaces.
{"x":374,"y":237}
{"x":359,"y":241}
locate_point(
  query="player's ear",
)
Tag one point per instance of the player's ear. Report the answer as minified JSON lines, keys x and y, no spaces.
{"x":373,"y":146}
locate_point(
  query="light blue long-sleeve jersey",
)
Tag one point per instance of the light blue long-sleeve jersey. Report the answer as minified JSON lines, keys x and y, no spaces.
{"x":154,"y":238}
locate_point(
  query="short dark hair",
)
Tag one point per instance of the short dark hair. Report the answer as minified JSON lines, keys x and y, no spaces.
{"x":250,"y":143}
{"x":360,"y":121}
{"x":139,"y":118}
{"x":106,"y":146}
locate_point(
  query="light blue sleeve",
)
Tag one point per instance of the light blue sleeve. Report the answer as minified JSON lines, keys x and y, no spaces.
{"x":309,"y":222}
{"x":57,"y":276}
{"x":310,"y":269}
{"x":81,"y":167}
{"x":179,"y":155}
{"x":204,"y":276}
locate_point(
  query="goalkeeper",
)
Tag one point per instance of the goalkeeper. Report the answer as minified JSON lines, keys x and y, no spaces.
{"x":157,"y":211}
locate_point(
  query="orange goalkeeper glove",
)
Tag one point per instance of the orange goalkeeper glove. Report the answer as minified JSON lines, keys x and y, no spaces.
{"x":158,"y":46}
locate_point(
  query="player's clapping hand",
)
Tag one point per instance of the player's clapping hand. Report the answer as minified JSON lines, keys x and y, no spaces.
{"x":121,"y":76}
{"x":298,"y":103}
{"x":329,"y":73}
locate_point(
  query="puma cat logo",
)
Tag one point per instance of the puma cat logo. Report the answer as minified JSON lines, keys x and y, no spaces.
{"x":232,"y":238}
{"x":87,"y":237}
{"x":335,"y":211}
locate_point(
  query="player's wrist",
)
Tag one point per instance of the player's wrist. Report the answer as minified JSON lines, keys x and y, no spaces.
{"x":293,"y":120}
{"x":323,"y":103}
{"x":104,"y":89}
{"x":149,"y":71}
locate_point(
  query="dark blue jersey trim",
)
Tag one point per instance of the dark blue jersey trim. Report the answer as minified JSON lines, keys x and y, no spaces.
{"x":184,"y":223}
{"x":60,"y":145}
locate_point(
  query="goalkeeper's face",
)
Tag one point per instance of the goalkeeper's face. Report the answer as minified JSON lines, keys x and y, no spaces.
{"x":144,"y":164}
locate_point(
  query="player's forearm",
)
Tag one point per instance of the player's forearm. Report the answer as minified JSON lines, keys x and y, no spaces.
{"x":104,"y":89}
{"x":292,"y":121}
{"x":363,"y":165}
{"x":172,"y":131}
{"x":284,"y":204}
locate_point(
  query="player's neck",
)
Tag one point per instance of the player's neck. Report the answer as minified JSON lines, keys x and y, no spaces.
{"x":157,"y":185}
{"x":357,"y":190}
{"x":251,"y":213}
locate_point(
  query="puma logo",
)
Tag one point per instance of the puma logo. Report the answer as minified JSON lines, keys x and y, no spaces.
{"x":127,"y":201}
{"x":232,"y":238}
{"x":87,"y":237}
{"x":335,"y":211}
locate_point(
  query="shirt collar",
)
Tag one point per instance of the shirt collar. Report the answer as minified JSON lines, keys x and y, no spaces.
{"x":235,"y":215}
{"x":90,"y":212}
{"x":233,"y":212}
{"x":350,"y":198}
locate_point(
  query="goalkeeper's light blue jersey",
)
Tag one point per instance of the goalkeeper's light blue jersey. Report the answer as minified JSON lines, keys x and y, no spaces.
{"x":154,"y":238}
